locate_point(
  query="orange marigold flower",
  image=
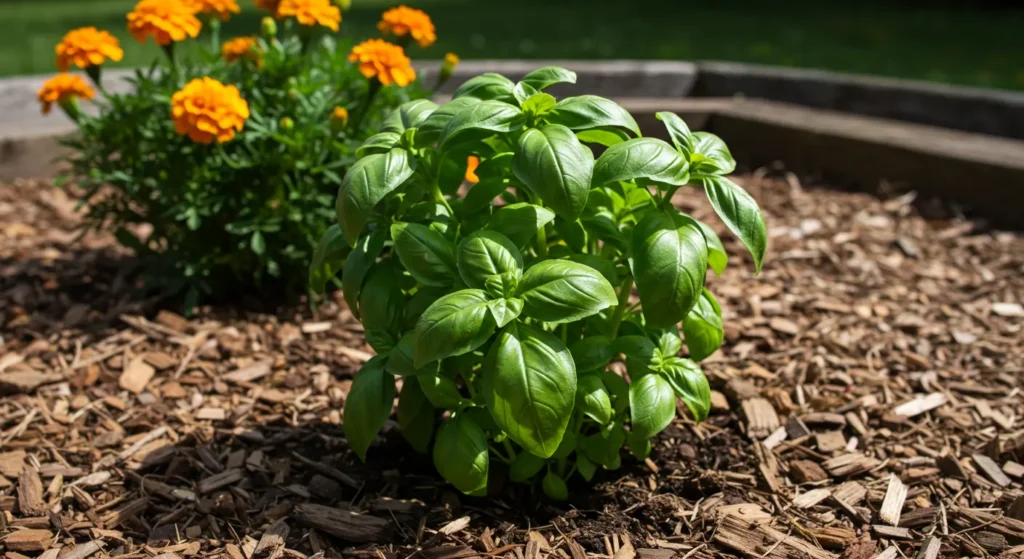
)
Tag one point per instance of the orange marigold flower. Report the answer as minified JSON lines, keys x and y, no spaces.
{"x":311,"y":12}
{"x":402,"y":21}
{"x":219,"y":8}
{"x":268,"y":5}
{"x":383,"y":60}
{"x":86,"y":47}
{"x":238,"y":48}
{"x":451,"y":59}
{"x":471,"y":166}
{"x":167,"y":21}
{"x":63,"y":88}
{"x":207,"y":110}
{"x":340,"y":113}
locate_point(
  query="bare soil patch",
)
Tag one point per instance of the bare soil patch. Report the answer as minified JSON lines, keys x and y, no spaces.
{"x":868,"y":401}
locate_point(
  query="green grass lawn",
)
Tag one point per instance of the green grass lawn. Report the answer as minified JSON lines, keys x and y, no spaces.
{"x":930,"y":41}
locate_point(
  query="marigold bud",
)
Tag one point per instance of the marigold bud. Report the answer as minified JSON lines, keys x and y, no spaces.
{"x":451,"y":62}
{"x":339,"y":119}
{"x":287,"y":124}
{"x":268,"y":28}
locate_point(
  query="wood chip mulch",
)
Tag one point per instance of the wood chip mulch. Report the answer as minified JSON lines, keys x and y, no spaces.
{"x":867,"y":404}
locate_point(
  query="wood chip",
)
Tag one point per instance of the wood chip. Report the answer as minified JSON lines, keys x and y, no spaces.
{"x":272,"y":542}
{"x":811,"y":498}
{"x":1013,"y":469}
{"x":991,"y":469}
{"x":248,"y":374}
{"x":847,"y":465}
{"x":344,"y":524}
{"x":26,"y":381}
{"x":222,"y":479}
{"x":761,"y":417}
{"x":805,"y":471}
{"x":30,"y":492}
{"x":455,"y":526}
{"x":1011,"y":310}
{"x":29,"y":540}
{"x":136,"y":375}
{"x":929,"y":549}
{"x":892,"y":505}
{"x":831,"y":441}
{"x":921,"y":404}
{"x":891,"y":532}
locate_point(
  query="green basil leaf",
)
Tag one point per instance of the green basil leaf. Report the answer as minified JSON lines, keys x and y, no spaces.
{"x":605,"y":136}
{"x":740,"y":213}
{"x":442,"y":392}
{"x":548,"y":76}
{"x":678,"y":132}
{"x":710,"y":155}
{"x":365,"y":184}
{"x":381,"y":301}
{"x":564,"y":291}
{"x":565,"y":448}
{"x":618,"y":388}
{"x":604,"y":266}
{"x":641,"y":158}
{"x":640,"y":352}
{"x":525,"y":466}
{"x":587,"y":112}
{"x":520,"y":221}
{"x":455,"y":324}
{"x":538,"y":104}
{"x":482,"y":194}
{"x":522,"y":92}
{"x":718,"y":259}
{"x":604,"y":448}
{"x":426,"y":254}
{"x":485,"y":254}
{"x":593,"y":399}
{"x":479,"y":121}
{"x":368,"y":405}
{"x":529,"y":384}
{"x":504,"y":286}
{"x":505,"y":310}
{"x":668,"y":340}
{"x":555,"y":487}
{"x":460,"y":455}
{"x":400,"y":359}
{"x":592,"y":353}
{"x":586,"y":467}
{"x":703,"y":327}
{"x":670,"y":258}
{"x":639,"y":447}
{"x":652,"y":405}
{"x":554,"y":165}
{"x":408,"y":115}
{"x":415,"y":415}
{"x":486,"y":87}
{"x":358,"y":263}
{"x":378,"y":143}
{"x":328,"y":258}
{"x":419,"y":302}
{"x":690,"y":385}
{"x":430,"y":129}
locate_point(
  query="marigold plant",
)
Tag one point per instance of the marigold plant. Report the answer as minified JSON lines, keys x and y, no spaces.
{"x":492,"y":258}
{"x":218,"y":168}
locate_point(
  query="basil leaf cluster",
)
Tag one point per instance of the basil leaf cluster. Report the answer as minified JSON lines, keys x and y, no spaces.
{"x":503,"y":301}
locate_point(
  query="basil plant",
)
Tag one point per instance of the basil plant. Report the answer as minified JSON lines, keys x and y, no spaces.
{"x":502,"y":304}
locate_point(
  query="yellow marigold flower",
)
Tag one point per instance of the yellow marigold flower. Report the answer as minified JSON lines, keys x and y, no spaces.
{"x":207,"y":110}
{"x":471,"y":166}
{"x":311,"y":12}
{"x":451,"y":60}
{"x":63,"y":88}
{"x":383,"y":60}
{"x":402,"y":21}
{"x":268,"y":5}
{"x":86,"y":47}
{"x":340,"y":114}
{"x":167,"y":21}
{"x":239,"y":48}
{"x":219,"y":8}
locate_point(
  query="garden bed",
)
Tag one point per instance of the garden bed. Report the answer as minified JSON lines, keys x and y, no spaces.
{"x":868,"y":397}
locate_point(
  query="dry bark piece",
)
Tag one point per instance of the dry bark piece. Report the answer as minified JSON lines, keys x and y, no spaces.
{"x":348,"y":525}
{"x":761,"y":417}
{"x":30,"y":492}
{"x":222,"y":479}
{"x":846,"y":465}
{"x":12,"y":462}
{"x":136,"y":375}
{"x":991,"y":469}
{"x":253,"y":372}
{"x":26,"y":381}
{"x":830,"y":441}
{"x":891,"y":532}
{"x":28,"y":540}
{"x":930,"y":548}
{"x":272,"y":542}
{"x":760,"y":540}
{"x":805,"y":471}
{"x":921,"y":404}
{"x":892,"y":505}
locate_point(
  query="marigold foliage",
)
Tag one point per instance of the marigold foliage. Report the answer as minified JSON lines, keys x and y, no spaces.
{"x":311,"y":12}
{"x":87,"y":47}
{"x":166,"y":21}
{"x":404,"y":21}
{"x":239,"y":48}
{"x":218,"y":175}
{"x":383,"y":60}
{"x":207,"y":110}
{"x":62,"y":88}
{"x":222,"y":9}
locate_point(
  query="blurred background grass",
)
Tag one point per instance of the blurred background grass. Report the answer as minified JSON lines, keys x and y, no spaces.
{"x":973,"y":43}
